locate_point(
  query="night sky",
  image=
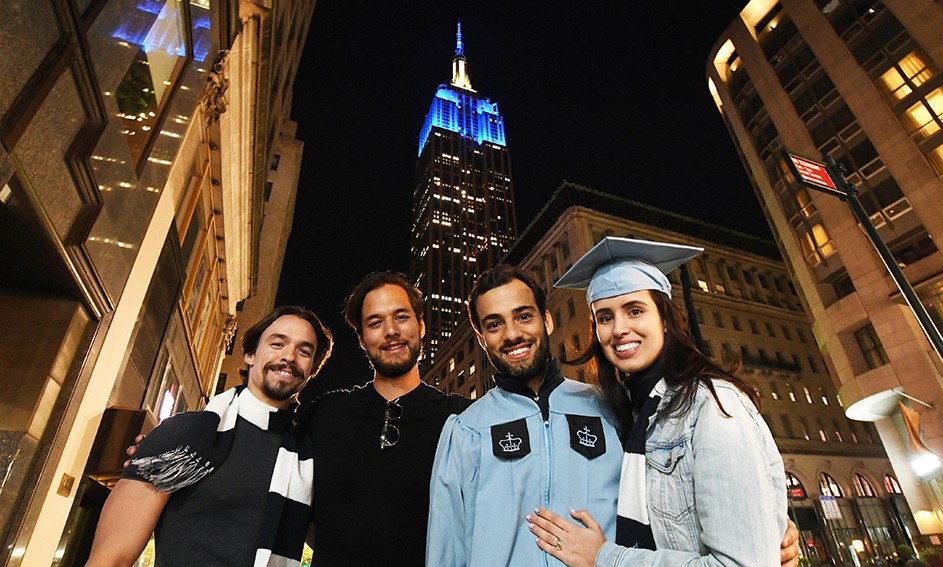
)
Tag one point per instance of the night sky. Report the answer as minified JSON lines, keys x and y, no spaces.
{"x":610,"y":95}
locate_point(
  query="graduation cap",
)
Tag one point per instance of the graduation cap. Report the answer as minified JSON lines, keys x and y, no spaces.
{"x":617,"y":266}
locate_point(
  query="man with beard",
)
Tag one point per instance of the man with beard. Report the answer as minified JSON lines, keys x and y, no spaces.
{"x":230,"y":485}
{"x":537,"y":439}
{"x":374,"y":445}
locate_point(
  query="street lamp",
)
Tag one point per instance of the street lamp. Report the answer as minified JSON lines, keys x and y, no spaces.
{"x":828,"y":178}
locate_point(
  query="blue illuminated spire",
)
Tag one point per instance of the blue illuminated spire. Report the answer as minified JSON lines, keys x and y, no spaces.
{"x":458,"y":108}
{"x":459,"y":73}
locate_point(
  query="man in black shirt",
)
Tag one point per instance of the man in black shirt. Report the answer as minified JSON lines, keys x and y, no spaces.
{"x":229,"y":485}
{"x":374,"y":445}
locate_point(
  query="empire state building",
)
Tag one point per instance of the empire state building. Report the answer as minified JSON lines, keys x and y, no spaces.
{"x":463,"y":218}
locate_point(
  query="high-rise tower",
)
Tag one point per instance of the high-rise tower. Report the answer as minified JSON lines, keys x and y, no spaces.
{"x":862,"y":82}
{"x":463,"y":205}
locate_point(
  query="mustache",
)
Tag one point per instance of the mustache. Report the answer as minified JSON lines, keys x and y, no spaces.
{"x":295,"y":371}
{"x":511,"y":345}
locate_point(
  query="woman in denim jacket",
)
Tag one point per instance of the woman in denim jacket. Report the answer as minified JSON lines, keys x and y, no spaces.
{"x":702,"y":480}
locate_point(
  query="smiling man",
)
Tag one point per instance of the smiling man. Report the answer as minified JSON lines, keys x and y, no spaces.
{"x":374,"y":444}
{"x":230,"y":485}
{"x":537,"y":439}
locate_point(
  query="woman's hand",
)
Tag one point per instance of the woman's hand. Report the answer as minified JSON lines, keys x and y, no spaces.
{"x":570,"y":543}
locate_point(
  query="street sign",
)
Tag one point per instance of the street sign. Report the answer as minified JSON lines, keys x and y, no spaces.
{"x":812,"y":174}
{"x":830,"y":508}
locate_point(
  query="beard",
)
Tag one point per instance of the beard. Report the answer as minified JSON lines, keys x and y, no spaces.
{"x":279,"y":390}
{"x":393,"y":369}
{"x":524,"y":371}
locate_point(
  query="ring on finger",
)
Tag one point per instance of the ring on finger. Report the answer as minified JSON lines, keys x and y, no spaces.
{"x":559,"y":545}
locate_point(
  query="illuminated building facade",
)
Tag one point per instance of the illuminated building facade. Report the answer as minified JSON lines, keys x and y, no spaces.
{"x":463,"y":206}
{"x":862,"y":81}
{"x":136,"y":137}
{"x":748,"y":311}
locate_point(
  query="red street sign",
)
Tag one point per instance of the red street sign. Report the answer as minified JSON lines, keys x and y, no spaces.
{"x":812,"y":172}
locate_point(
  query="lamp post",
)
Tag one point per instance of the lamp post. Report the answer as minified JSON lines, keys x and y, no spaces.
{"x":828,"y":178}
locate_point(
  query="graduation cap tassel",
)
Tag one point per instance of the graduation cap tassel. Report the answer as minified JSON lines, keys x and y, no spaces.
{"x":693,"y":327}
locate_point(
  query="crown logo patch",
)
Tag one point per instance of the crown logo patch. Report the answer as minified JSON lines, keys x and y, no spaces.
{"x":510,"y":443}
{"x":587,"y":435}
{"x":587,"y":439}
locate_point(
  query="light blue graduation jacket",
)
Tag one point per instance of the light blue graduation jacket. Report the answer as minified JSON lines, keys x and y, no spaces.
{"x":504,"y":456}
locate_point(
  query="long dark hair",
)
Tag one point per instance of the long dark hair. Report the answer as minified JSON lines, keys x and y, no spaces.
{"x":684,"y":367}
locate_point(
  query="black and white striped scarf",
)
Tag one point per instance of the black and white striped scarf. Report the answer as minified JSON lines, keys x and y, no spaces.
{"x":207,"y":444}
{"x":633,"y":528}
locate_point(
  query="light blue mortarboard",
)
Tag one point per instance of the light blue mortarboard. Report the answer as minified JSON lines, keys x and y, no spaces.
{"x":617,"y":266}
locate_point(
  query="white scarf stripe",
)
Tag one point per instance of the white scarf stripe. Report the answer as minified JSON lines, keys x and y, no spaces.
{"x":293,"y":478}
{"x":265,"y":558}
{"x":631,"y":484}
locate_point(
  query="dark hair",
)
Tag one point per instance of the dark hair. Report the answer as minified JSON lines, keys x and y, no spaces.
{"x":500,"y":275}
{"x":353,"y":305}
{"x":684,"y":367}
{"x":250,"y":340}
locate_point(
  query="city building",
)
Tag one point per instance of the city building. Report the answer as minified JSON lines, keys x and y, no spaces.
{"x":136,"y":142}
{"x":749,"y":313}
{"x":860,"y":81}
{"x":463,"y":206}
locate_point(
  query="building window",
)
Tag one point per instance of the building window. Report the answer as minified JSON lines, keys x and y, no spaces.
{"x":275,"y":160}
{"x":753,"y":328}
{"x":805,"y":429}
{"x":838,"y":434}
{"x":801,"y":335}
{"x":813,"y":366}
{"x":718,"y":321}
{"x":816,"y":244}
{"x":829,"y":487}
{"x":787,"y":426}
{"x":822,"y":435}
{"x":451,"y":364}
{"x":863,"y":488}
{"x":824,"y":397}
{"x":160,"y":37}
{"x":794,"y":487}
{"x":808,"y":394}
{"x":571,"y":308}
{"x":906,"y":75}
{"x":871,"y":347}
{"x":473,"y":394}
{"x":769,"y":330}
{"x":790,"y":392}
{"x":576,"y":343}
{"x":735,"y":321}
{"x":774,"y":392}
{"x":703,"y":285}
{"x":471,"y":369}
{"x":786,"y":333}
{"x":891,"y":485}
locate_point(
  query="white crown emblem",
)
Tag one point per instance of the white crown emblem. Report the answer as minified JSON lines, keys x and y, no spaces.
{"x":510,"y":444}
{"x":587,"y":439}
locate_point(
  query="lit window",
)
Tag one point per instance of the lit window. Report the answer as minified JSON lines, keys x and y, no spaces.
{"x":794,"y":487}
{"x":909,"y":73}
{"x":829,"y":487}
{"x":922,"y":120}
{"x":863,"y":488}
{"x":891,"y":485}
